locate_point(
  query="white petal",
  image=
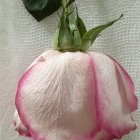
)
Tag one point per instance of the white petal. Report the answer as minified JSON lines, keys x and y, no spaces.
{"x":113,"y":110}
{"x":55,"y":98}
{"x":129,"y":86}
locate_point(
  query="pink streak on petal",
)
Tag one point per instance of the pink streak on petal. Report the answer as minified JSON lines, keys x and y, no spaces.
{"x":94,"y":82}
{"x":94,"y":90}
{"x":23,"y":133}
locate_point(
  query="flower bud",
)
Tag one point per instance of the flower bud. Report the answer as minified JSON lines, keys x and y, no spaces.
{"x":75,"y":96}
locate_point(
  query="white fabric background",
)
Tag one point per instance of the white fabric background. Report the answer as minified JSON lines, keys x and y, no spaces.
{"x":22,"y":39}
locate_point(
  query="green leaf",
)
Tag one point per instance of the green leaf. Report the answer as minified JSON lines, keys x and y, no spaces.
{"x":41,"y":8}
{"x":92,"y":34}
{"x":81,"y":26}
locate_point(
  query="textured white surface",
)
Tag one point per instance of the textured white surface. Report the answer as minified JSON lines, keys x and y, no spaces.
{"x":66,"y":112}
{"x":22,"y":39}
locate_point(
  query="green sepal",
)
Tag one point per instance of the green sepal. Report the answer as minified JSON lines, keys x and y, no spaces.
{"x":81,"y":26}
{"x":55,"y":40}
{"x":90,"y":36}
{"x":74,"y":29}
{"x":65,"y":38}
{"x":41,"y":8}
{"x":69,"y":38}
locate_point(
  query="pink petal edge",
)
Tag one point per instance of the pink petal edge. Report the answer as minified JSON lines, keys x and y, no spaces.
{"x":23,"y":133}
{"x":98,"y":129}
{"x":117,"y":133}
{"x":133,"y":100}
{"x":19,"y":127}
{"x":34,"y":134}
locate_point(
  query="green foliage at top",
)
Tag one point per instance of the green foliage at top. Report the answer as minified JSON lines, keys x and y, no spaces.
{"x":41,"y":8}
{"x":72,"y":34}
{"x":90,"y":36}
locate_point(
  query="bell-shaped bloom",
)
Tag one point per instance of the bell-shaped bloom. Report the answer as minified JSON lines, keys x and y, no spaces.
{"x":75,"y":96}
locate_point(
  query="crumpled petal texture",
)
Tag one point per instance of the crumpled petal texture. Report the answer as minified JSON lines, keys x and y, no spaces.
{"x":75,"y":96}
{"x":22,"y":130}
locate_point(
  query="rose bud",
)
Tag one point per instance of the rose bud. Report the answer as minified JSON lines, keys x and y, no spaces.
{"x":70,"y":93}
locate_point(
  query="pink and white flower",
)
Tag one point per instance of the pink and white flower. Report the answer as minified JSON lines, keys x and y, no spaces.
{"x":75,"y":96}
